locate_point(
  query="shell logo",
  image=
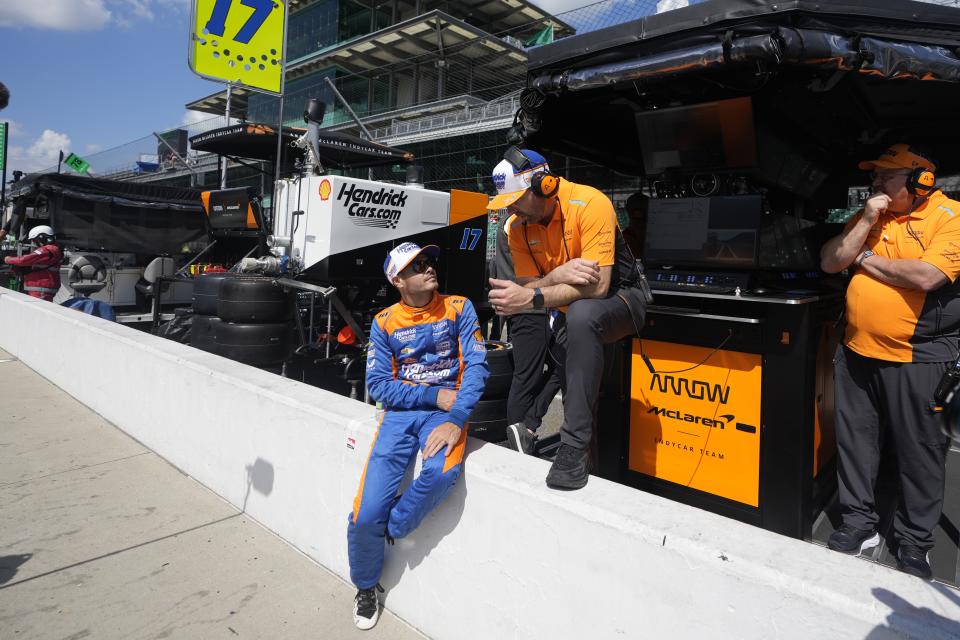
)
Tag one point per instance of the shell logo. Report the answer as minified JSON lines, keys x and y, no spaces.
{"x":325,"y":189}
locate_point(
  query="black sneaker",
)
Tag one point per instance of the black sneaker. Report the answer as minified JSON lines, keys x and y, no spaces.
{"x":915,"y":561}
{"x":366,"y":607}
{"x":853,"y":541}
{"x":570,"y":468}
{"x":520,"y":438}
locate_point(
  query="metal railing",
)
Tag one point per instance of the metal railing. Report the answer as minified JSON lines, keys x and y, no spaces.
{"x":495,"y":110}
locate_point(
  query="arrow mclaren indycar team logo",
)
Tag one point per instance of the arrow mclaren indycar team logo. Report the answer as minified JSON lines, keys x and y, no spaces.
{"x":380,"y":208}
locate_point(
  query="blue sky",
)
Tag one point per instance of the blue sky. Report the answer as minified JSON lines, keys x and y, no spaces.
{"x":88,"y":75}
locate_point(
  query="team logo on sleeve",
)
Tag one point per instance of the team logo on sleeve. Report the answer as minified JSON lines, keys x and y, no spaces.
{"x":371,"y":356}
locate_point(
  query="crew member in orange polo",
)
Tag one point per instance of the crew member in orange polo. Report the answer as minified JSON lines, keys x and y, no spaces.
{"x":569,"y":256}
{"x":903,"y":322}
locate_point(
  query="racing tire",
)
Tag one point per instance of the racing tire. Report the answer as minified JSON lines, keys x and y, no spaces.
{"x":258,"y":345}
{"x":491,"y":431}
{"x":206,"y":288}
{"x":487,"y":410}
{"x":252,"y":299}
{"x":203,"y":332}
{"x":500,"y":363}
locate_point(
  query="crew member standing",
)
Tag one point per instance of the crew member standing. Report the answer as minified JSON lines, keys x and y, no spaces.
{"x":427,"y":364}
{"x":903,"y":316}
{"x":40,"y":268}
{"x":569,"y":256}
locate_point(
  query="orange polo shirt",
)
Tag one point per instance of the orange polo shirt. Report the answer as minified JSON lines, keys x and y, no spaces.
{"x":589,"y":226}
{"x":906,"y":325}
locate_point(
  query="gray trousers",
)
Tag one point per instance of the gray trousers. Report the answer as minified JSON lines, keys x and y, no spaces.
{"x":876,"y":400}
{"x":580,"y":336}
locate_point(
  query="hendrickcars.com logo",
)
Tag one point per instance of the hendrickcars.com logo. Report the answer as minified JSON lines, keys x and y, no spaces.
{"x":373,"y":207}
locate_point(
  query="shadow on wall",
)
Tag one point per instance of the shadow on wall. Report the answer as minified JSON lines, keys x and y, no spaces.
{"x":905,"y":614}
{"x":409,"y":552}
{"x":10,"y":564}
{"x":259,"y":478}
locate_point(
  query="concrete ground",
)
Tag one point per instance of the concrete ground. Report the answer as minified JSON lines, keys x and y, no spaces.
{"x":100,"y":538}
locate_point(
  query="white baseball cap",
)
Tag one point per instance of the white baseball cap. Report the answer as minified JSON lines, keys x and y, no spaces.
{"x":511,"y":182}
{"x":403,"y":254}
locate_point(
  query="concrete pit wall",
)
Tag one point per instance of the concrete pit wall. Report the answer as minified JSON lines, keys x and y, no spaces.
{"x":503,"y":557}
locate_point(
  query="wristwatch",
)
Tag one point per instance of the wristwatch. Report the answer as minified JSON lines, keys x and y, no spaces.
{"x":537,"y":299}
{"x":866,"y":254}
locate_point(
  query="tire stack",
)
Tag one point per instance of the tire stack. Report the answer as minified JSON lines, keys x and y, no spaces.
{"x":489,"y":418}
{"x":242,"y":317}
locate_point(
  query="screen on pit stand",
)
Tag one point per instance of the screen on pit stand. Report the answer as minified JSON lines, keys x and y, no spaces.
{"x":717,"y":232}
{"x":700,"y":137}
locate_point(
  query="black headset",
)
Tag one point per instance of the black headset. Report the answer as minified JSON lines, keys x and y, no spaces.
{"x":544,"y":183}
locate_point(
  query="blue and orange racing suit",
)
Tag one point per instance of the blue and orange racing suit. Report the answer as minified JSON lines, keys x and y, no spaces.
{"x":413,"y":353}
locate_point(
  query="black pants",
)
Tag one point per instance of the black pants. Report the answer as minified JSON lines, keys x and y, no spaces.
{"x":876,"y":400}
{"x":532,"y":389}
{"x":579,"y":339}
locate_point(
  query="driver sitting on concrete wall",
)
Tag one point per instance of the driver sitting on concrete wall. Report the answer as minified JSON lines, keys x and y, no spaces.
{"x":427,"y":364}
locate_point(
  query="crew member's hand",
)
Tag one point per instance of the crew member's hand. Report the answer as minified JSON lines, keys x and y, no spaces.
{"x":875,"y":205}
{"x":508,"y":298}
{"x":577,"y":272}
{"x":445,"y":399}
{"x":446,"y":435}
{"x":3,"y":234}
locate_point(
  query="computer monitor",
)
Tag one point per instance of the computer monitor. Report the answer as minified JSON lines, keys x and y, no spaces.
{"x":710,"y":136}
{"x":720,"y":232}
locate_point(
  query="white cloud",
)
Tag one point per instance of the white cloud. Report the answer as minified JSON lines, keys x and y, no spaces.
{"x":63,"y":15}
{"x":670,"y":5}
{"x":556,"y":7}
{"x":42,"y":153}
{"x":92,"y":148}
{"x":83,"y":15}
{"x":193,"y":117}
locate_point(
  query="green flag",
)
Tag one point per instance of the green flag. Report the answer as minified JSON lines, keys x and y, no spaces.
{"x":545,"y":36}
{"x":77,"y":163}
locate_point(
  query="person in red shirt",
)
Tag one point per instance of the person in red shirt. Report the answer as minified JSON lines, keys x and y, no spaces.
{"x":40,"y":268}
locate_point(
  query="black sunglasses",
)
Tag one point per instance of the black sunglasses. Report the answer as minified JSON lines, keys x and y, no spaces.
{"x":421,"y":264}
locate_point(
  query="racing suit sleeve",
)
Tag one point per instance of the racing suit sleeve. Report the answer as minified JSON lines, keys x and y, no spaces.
{"x":382,"y":384}
{"x":40,"y":257}
{"x":473,"y":355}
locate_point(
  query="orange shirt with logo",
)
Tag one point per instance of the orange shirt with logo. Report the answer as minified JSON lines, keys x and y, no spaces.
{"x":589,"y":231}
{"x":895,"y":324}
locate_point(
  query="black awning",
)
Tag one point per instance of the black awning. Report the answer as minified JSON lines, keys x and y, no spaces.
{"x":92,"y":214}
{"x":900,"y":20}
{"x":259,"y":142}
{"x":138,"y":194}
